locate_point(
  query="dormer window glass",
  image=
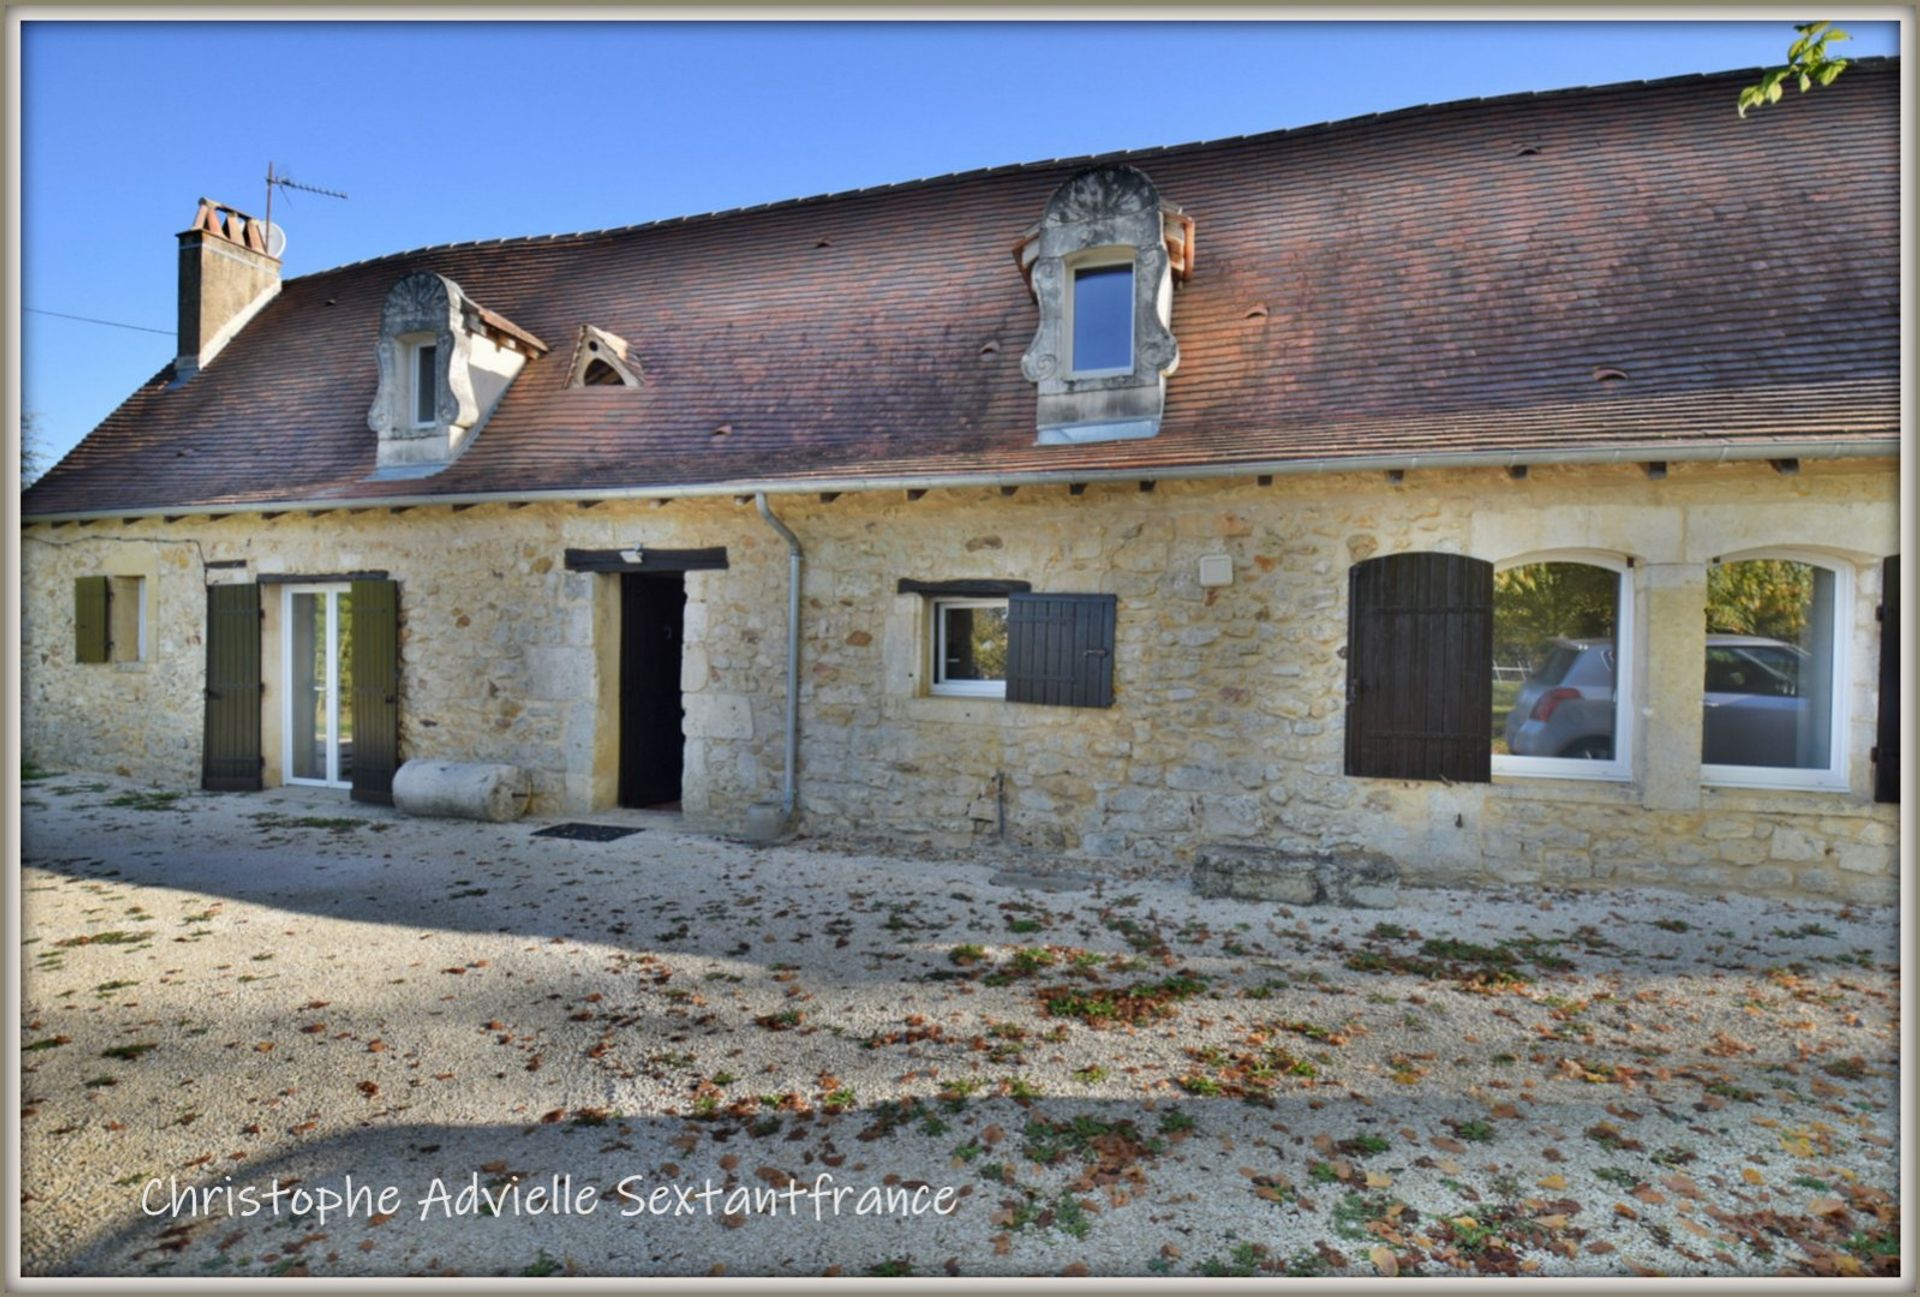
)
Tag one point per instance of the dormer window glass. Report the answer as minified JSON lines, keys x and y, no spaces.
{"x":425,"y":413}
{"x":1103,"y":319}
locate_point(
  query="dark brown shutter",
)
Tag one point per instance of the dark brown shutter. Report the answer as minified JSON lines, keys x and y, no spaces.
{"x":1060,"y":649}
{"x":230,"y":750}
{"x":1420,"y":668}
{"x":90,"y":619}
{"x":1886,"y":766}
{"x":376,"y":690}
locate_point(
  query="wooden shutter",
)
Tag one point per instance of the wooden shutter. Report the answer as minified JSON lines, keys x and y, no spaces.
{"x":1420,"y":668}
{"x":90,"y":619}
{"x":230,"y":750}
{"x":1060,"y":649}
{"x":1886,"y":753}
{"x":376,"y":690}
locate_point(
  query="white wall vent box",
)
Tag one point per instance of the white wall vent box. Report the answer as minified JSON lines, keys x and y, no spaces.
{"x":1216,"y":569}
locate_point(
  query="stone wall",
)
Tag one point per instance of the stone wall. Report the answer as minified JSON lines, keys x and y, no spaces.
{"x":1227,"y":726}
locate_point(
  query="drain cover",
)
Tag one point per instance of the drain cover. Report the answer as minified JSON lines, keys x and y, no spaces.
{"x":587,"y":832}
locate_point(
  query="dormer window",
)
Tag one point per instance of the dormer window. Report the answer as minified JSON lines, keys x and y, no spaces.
{"x":1102,"y":313}
{"x":1102,"y":264}
{"x":425,"y":384}
{"x":445,"y":362}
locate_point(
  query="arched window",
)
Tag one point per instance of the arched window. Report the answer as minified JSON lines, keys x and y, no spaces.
{"x":1774,"y":704}
{"x":1563,"y":666}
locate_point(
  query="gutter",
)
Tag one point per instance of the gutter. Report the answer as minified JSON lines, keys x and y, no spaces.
{"x":1719,"y":453}
{"x":789,"y":782}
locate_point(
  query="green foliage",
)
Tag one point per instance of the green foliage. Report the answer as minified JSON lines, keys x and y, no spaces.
{"x":1761,"y":596}
{"x":1535,"y":602}
{"x":1807,"y":62}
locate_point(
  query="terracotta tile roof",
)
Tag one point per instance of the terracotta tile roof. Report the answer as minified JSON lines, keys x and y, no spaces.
{"x":1424,"y":282}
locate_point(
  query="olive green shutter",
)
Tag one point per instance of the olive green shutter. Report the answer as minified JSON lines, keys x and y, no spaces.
{"x":230,"y":752}
{"x":376,"y":690}
{"x":90,"y":618}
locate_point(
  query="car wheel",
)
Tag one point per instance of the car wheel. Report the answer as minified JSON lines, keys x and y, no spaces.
{"x":1592,"y":748}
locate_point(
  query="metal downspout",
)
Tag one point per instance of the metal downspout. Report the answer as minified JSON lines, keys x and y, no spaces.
{"x":790,"y":779}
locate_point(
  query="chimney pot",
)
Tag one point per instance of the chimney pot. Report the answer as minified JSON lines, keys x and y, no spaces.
{"x":226,"y":276}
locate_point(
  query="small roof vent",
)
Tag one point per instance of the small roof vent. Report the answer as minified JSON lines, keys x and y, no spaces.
{"x":600,"y":359}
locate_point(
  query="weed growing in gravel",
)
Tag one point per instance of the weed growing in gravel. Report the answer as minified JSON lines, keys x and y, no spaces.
{"x":897,"y":1268}
{"x":967,"y":954}
{"x":51,"y":1042}
{"x":147,"y":801}
{"x":112,"y":937}
{"x":1091,"y":1074}
{"x":1241,"y":1263}
{"x":1474,"y":1132}
{"x":543,"y":1265}
{"x":130,"y":1052}
{"x":1141,"y":1000}
{"x":1176,"y":1122}
{"x":333,"y":823}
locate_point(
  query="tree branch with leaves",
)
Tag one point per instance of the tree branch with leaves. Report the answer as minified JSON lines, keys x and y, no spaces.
{"x":1807,"y":61}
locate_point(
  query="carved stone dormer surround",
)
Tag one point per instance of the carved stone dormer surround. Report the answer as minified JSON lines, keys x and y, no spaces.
{"x":477,"y":354}
{"x":1104,"y":215}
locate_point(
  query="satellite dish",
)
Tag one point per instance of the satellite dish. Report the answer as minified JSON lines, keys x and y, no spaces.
{"x":276,"y":240}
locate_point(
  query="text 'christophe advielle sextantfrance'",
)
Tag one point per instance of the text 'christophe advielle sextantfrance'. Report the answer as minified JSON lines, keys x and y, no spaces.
{"x":821,"y":1199}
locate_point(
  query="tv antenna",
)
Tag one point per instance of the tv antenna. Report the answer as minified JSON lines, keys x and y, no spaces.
{"x":283,"y":181}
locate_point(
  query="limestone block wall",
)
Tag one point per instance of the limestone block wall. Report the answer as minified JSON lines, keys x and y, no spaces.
{"x":505,"y":655}
{"x":1227,"y":725}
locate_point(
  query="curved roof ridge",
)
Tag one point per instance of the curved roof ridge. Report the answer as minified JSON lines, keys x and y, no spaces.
{"x":972,"y":173}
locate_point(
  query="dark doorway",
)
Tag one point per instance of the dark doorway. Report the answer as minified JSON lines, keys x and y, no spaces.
{"x":652,"y":618}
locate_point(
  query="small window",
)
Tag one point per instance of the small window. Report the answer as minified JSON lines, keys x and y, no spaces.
{"x":1102,"y":315}
{"x":1558,"y":628}
{"x":970,"y":647}
{"x":425,"y":385}
{"x":110,"y":619}
{"x":1774,"y":687}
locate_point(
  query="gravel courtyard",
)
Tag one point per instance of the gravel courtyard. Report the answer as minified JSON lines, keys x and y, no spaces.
{"x":1123,"y":1079}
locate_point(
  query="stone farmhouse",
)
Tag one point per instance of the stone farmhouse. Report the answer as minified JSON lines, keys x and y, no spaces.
{"x":1507,"y":488}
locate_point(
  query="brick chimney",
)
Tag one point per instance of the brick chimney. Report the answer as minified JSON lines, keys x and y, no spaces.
{"x":226,"y":276}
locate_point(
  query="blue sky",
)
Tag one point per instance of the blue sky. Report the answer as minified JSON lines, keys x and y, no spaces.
{"x":443,"y":132}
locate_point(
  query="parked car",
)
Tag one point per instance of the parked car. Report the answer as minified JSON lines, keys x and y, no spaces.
{"x":1755,"y":711}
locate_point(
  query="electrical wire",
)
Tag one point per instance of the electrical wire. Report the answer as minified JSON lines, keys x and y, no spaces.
{"x":88,"y":319}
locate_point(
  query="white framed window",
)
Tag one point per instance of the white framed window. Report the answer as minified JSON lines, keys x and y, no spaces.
{"x":969,"y":645}
{"x":1775,"y":687}
{"x":1563,"y":666}
{"x":1100,"y":314}
{"x":423,"y":359}
{"x":316,"y":653}
{"x":127,"y":618}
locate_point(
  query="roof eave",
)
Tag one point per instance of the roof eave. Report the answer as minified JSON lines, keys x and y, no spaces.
{"x":1886,"y":446}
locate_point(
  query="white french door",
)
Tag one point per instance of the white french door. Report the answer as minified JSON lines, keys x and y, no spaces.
{"x":317,"y":718}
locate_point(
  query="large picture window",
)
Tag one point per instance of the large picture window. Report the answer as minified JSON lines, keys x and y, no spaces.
{"x":1562,"y":653}
{"x":1775,"y":673}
